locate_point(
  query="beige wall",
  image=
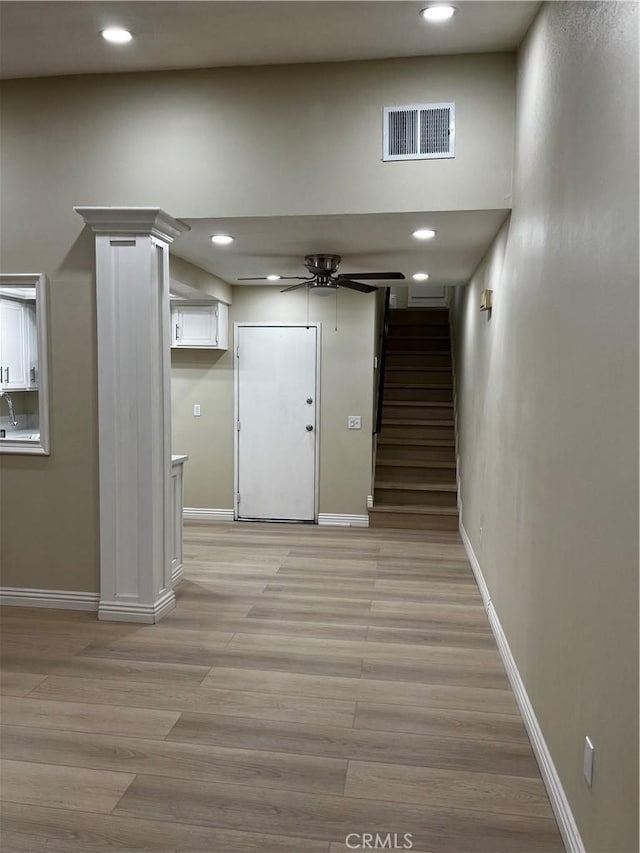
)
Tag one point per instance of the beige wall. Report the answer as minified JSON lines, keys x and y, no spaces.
{"x":346,"y":371}
{"x":222,"y":142}
{"x":265,"y":141}
{"x":547,"y":391}
{"x":24,"y":403}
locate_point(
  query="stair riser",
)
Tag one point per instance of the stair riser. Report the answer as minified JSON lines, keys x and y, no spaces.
{"x":412,"y":522}
{"x":392,"y":431}
{"x":411,"y":497}
{"x":420,"y":413}
{"x":426,"y":361}
{"x":406,"y":474}
{"x":426,"y":330}
{"x":412,"y":451}
{"x":400,"y":342}
{"x":419,"y":316}
{"x":418,"y":395}
{"x":416,"y":377}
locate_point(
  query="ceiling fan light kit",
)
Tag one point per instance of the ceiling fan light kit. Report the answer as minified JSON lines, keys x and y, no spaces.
{"x":323,"y":276}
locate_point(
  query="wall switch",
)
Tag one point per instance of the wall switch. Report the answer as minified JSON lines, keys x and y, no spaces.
{"x":587,"y":767}
{"x":354,"y":422}
{"x":196,"y":410}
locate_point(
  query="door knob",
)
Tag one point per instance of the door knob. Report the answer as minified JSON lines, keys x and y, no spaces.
{"x":309,"y":400}
{"x":309,"y":428}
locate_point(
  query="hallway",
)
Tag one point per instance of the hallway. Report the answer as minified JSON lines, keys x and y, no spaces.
{"x":312,"y":683}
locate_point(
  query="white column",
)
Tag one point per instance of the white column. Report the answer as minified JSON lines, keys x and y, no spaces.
{"x":132,"y":287}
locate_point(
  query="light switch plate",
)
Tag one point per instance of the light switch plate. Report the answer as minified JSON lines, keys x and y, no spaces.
{"x":354,"y":422}
{"x":196,"y":410}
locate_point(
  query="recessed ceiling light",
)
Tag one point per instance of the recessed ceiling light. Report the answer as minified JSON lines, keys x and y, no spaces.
{"x":116,"y":35}
{"x":273,"y":278}
{"x":222,"y":239}
{"x":420,"y":276}
{"x":437,"y":13}
{"x":424,"y":233}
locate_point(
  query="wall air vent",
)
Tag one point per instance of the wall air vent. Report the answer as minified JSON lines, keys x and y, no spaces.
{"x":419,"y":132}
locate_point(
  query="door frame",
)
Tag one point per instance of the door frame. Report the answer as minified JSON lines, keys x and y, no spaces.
{"x":236,"y":400}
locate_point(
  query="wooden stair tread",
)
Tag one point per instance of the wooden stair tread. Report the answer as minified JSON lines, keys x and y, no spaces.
{"x":427,"y":404}
{"x":402,"y":368}
{"x":417,"y":487}
{"x":418,"y":442}
{"x":415,"y":422}
{"x":417,"y":386}
{"x":402,"y":462}
{"x":411,"y":509}
{"x":437,"y":353}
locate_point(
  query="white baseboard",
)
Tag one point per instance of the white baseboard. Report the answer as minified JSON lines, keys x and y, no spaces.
{"x":148,"y":614}
{"x":559,"y":802}
{"x":204,"y":514}
{"x":369,"y":501}
{"x":324,"y":518}
{"x":177,"y":575}
{"x":58,"y":599}
{"x":332,"y":519}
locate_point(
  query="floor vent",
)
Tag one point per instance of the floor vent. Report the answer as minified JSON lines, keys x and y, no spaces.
{"x":419,"y":132}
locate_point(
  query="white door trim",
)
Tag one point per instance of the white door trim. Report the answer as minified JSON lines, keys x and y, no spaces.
{"x":236,"y":386}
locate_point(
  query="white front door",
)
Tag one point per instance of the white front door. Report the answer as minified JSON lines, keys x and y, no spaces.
{"x":276,"y":422}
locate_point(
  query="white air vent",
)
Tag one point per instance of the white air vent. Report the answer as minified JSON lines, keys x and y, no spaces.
{"x":419,"y":132}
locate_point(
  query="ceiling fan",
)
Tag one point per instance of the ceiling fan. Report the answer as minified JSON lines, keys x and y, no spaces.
{"x":323,"y":276}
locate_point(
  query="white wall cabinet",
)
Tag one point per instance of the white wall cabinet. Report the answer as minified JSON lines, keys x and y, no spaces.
{"x":200,"y":326}
{"x":32,"y":346}
{"x":18,"y":345}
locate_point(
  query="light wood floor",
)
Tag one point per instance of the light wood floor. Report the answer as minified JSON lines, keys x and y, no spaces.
{"x":312,"y":682}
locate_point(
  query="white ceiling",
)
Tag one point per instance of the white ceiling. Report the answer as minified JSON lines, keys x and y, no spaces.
{"x":367,"y":243}
{"x":53,"y":38}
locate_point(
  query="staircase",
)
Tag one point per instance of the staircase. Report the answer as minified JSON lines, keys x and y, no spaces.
{"x":415,"y":479}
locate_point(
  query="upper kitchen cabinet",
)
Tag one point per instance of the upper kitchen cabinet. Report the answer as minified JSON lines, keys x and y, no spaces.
{"x":200,"y":326}
{"x":18,"y":342}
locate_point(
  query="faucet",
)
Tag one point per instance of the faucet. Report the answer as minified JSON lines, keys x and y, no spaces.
{"x":12,"y":415}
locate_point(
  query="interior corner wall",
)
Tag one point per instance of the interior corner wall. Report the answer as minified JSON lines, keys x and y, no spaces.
{"x":346,"y":378}
{"x":547,"y":395}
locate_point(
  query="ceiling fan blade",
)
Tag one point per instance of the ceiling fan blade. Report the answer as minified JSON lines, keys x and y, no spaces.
{"x":266,"y":278}
{"x":356,"y":285}
{"x":372,"y":276}
{"x":294,"y":286}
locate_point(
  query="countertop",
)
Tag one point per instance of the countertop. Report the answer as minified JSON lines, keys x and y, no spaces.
{"x":22,"y":435}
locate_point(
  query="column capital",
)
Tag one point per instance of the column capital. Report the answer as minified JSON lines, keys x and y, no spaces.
{"x":132,"y":220}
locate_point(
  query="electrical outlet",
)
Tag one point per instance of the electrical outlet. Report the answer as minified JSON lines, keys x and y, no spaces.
{"x":354,"y":422}
{"x":587,"y":764}
{"x":196,"y":410}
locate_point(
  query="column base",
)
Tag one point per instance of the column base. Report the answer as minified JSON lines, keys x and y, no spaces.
{"x":148,"y":614}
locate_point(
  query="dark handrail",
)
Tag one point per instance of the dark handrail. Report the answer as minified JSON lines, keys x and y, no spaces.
{"x":383,"y":360}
